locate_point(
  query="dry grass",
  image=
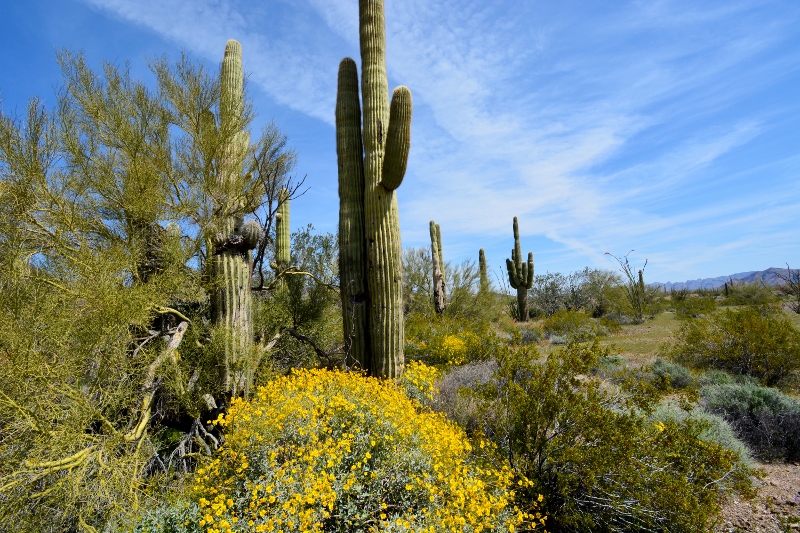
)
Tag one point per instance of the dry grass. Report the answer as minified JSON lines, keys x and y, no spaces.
{"x":640,"y":343}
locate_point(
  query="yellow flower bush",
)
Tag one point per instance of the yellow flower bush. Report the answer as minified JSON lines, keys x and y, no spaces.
{"x":332,"y":451}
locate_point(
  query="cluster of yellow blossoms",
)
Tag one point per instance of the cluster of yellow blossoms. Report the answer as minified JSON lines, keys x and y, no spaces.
{"x":333,"y":451}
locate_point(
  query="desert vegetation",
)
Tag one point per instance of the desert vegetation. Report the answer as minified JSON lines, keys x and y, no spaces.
{"x":174,"y":359}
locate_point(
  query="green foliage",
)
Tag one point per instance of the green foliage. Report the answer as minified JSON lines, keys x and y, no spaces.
{"x":717,"y":429}
{"x":333,"y":451}
{"x":763,"y":417}
{"x":585,"y":290}
{"x":107,"y":357}
{"x":639,"y":299}
{"x":465,"y":299}
{"x":668,"y":375}
{"x":693,"y":306}
{"x":754,"y":294}
{"x":305,"y":310}
{"x":601,"y":463}
{"x":760,"y":342}
{"x":447,"y":340}
{"x":574,"y":325}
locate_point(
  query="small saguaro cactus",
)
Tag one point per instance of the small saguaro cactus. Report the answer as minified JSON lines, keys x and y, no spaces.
{"x":282,"y":232}
{"x":484,"y":286}
{"x":520,"y":275}
{"x":232,"y":238}
{"x":373,"y":160}
{"x":439,"y":291}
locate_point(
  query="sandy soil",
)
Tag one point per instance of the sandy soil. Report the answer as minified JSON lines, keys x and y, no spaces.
{"x":775,"y":509}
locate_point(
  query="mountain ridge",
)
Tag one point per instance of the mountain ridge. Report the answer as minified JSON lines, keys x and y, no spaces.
{"x":769,"y":276}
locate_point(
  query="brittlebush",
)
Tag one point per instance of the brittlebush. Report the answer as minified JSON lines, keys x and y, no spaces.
{"x":332,"y":451}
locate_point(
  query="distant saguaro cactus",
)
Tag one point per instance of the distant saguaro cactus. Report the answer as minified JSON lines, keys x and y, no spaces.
{"x":439,"y":290}
{"x":484,"y":286}
{"x":378,"y":171}
{"x":520,"y":275}
{"x":230,"y":245}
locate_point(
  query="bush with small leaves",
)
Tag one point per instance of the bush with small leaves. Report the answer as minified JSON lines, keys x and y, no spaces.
{"x":717,"y":428}
{"x":332,"y":451}
{"x":574,"y":325}
{"x":669,"y":375}
{"x":760,"y":342}
{"x":763,"y":417}
{"x":591,"y":449}
{"x":446,"y":340}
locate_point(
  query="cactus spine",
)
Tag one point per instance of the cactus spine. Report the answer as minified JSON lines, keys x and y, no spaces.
{"x":439,"y":292}
{"x":385,"y":141}
{"x":520,"y":274}
{"x":484,"y":286}
{"x":231,"y":301}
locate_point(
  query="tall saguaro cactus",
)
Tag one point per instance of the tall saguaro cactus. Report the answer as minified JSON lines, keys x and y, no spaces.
{"x":379,"y":154}
{"x":520,"y":274}
{"x":439,"y":291}
{"x":484,"y":284}
{"x":231,"y":301}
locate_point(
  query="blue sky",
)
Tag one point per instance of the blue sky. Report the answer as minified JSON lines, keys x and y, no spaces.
{"x":668,"y":127}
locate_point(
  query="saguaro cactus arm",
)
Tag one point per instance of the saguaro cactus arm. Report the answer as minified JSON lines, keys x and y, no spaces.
{"x":398,"y":139}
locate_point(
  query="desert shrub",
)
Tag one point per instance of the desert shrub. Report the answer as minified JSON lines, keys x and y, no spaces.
{"x":446,"y":340}
{"x":419,"y":382}
{"x":759,"y":342}
{"x":584,"y":290}
{"x":763,"y":417}
{"x":715,"y":377}
{"x":454,"y":398}
{"x":717,"y":429}
{"x":600,"y":462}
{"x":575,"y":325}
{"x":333,"y":451}
{"x":756,"y":293}
{"x":693,"y":306}
{"x":530,"y":335}
{"x":668,"y":375}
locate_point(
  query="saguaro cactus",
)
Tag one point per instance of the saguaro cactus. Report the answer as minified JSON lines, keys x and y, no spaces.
{"x":282,"y":233}
{"x":231,"y":301}
{"x":439,"y":291}
{"x":520,"y":274}
{"x":385,"y":142}
{"x":484,"y":286}
{"x":352,"y":240}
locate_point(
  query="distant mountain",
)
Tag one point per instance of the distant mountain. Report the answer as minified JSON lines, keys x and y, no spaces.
{"x":768,"y":276}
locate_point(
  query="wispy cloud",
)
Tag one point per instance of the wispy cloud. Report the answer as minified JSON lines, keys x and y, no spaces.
{"x":601,"y":127}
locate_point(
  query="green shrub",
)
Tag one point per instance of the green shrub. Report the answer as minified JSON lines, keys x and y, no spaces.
{"x":694,"y":306}
{"x":763,"y":417}
{"x":446,"y":340}
{"x":749,"y":294}
{"x":601,"y":464}
{"x":671,"y":375}
{"x":715,"y":377}
{"x":760,"y":342}
{"x":717,"y":428}
{"x":574,"y":325}
{"x":332,"y":451}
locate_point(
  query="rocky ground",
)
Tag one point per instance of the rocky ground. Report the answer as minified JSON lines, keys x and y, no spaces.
{"x":775,"y":509}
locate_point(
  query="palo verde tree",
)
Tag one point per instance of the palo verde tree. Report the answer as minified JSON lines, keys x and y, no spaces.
{"x":122,"y":211}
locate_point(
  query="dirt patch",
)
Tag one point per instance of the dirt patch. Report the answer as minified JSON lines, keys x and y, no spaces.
{"x":776,"y":509}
